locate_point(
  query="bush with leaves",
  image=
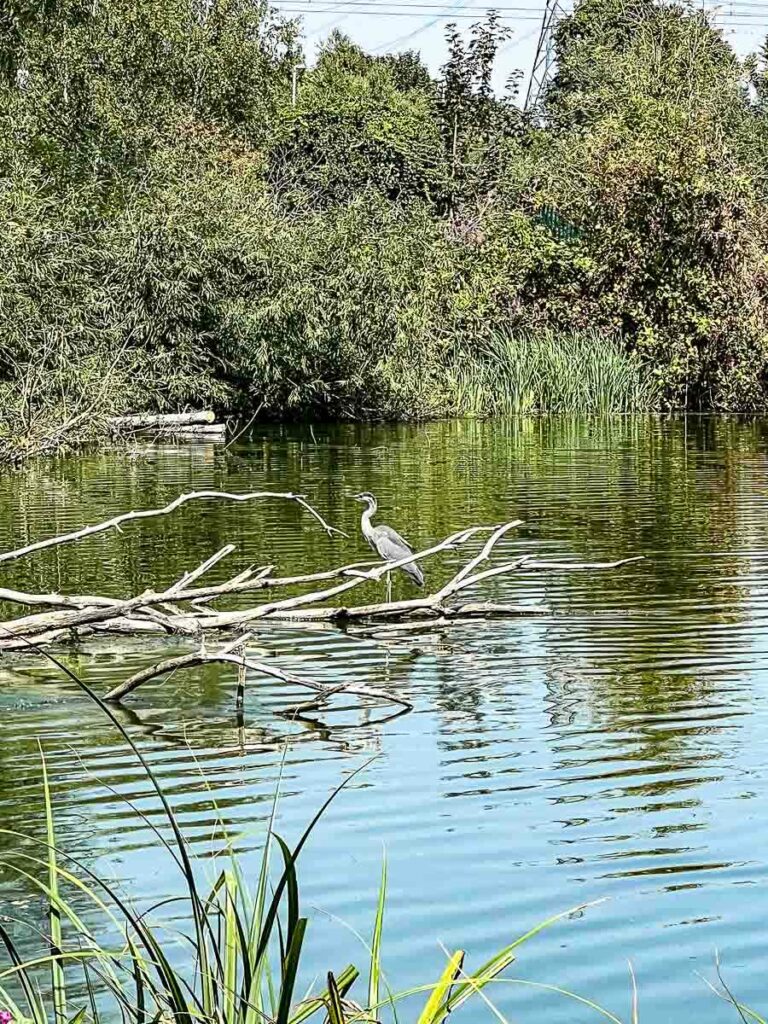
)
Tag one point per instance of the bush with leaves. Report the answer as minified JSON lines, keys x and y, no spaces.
{"x":645,"y":110}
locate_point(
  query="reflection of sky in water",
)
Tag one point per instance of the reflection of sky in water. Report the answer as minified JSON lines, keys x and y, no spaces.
{"x":612,"y":748}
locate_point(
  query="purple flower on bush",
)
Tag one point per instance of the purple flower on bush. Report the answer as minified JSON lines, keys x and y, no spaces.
{"x":6,"y":1017}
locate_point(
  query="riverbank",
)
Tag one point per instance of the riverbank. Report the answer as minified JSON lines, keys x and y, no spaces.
{"x":186,"y":229}
{"x":585,"y":373}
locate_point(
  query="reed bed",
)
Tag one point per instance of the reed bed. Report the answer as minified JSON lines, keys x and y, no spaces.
{"x":584,"y":372}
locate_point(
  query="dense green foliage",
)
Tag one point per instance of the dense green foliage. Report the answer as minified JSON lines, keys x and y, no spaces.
{"x":177,"y":231}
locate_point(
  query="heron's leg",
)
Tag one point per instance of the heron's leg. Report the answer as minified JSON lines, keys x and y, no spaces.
{"x":389,"y":587}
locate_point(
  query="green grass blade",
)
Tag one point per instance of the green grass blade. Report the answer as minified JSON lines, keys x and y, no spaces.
{"x":477,"y":981}
{"x":289,"y":971}
{"x":374,"y":976}
{"x":231,"y":947}
{"x":54,"y":912}
{"x":501,"y":960}
{"x":259,"y":966}
{"x":292,"y":887}
{"x":139,"y":982}
{"x":247,"y":974}
{"x":89,"y":988}
{"x":271,"y":915}
{"x":10,"y":1004}
{"x":436,"y":1009}
{"x":36,"y":1011}
{"x":308,"y":1007}
{"x":335,"y":1005}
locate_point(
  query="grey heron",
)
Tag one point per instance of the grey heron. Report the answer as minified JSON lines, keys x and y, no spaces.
{"x":387,"y":543}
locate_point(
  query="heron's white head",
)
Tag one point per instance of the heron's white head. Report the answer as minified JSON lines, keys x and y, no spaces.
{"x":366,"y":497}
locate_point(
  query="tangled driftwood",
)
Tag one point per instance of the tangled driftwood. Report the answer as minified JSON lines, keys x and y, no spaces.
{"x":184,"y":607}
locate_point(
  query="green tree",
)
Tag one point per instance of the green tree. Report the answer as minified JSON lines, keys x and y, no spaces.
{"x":94,"y":88}
{"x":648,"y":108}
{"x":360,"y":123}
{"x":474,"y":121}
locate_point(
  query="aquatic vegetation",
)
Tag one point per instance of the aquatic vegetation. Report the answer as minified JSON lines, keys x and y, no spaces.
{"x":548,"y":371}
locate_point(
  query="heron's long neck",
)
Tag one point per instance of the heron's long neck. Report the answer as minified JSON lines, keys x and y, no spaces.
{"x":365,"y":522}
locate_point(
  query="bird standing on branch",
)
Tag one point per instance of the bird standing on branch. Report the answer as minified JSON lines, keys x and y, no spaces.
{"x":387,"y":543}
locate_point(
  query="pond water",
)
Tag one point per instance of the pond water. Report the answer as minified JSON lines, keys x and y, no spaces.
{"x":613,"y":747}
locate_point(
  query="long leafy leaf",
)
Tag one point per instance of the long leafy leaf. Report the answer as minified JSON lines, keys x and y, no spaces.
{"x":374,"y":976}
{"x":436,"y":1008}
{"x":335,"y":1005}
{"x":290,"y":969}
{"x":54,"y":910}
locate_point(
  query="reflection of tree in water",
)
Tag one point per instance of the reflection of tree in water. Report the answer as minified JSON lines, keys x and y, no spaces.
{"x":459,"y":692}
{"x":596,"y":487}
{"x":658,"y":718}
{"x":640,"y":746}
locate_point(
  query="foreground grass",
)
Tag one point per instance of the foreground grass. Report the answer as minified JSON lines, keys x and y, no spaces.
{"x":244,"y":946}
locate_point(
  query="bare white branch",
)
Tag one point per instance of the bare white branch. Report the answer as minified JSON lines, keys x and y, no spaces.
{"x":117,"y":521}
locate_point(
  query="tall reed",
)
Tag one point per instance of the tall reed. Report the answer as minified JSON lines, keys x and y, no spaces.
{"x":581,"y":372}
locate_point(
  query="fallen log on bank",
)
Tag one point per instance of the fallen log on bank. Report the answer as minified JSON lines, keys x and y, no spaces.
{"x":143,"y":420}
{"x":178,"y":424}
{"x":183,"y":608}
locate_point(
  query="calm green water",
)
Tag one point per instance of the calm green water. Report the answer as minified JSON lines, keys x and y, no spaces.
{"x":615,"y":747}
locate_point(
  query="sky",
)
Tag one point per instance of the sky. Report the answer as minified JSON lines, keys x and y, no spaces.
{"x":380,"y":26}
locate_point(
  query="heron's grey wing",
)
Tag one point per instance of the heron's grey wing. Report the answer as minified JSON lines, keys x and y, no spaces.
{"x":392,"y":547}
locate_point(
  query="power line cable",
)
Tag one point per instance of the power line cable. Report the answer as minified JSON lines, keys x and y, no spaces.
{"x":449,"y":15}
{"x":485,"y":9}
{"x":417,"y":32}
{"x":412,"y":4}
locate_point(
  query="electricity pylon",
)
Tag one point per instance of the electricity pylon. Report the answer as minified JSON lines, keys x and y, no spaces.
{"x":544,"y":61}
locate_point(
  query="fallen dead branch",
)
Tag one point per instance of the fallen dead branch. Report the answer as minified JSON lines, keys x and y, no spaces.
{"x":117,"y":521}
{"x":185,"y":607}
